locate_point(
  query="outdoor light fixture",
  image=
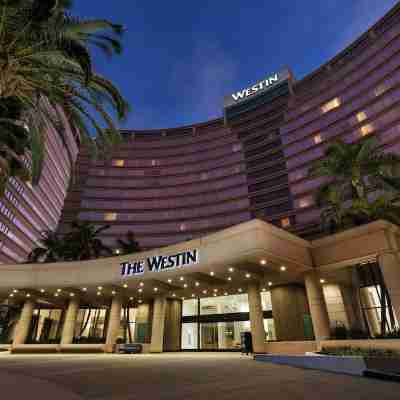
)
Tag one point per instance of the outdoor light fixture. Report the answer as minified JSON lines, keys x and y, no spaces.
{"x":182,"y":278}
{"x":140,"y":290}
{"x":182,"y":298}
{"x":248,"y":276}
{"x":155,"y":289}
{"x":11,"y":295}
{"x":263,"y":262}
{"x":269,"y":283}
{"x":140,"y":301}
{"x":42,"y":290}
{"x":173,"y":295}
{"x":240,"y":289}
{"x":100,"y":287}
{"x":131,"y":298}
{"x":15,"y":291}
{"x":169,"y":280}
{"x":117,"y":251}
{"x":84,"y":289}
{"x":204,"y":291}
{"x":185,"y":285}
{"x":230,"y":269}
{"x":55,"y":294}
{"x":141,"y":284}
{"x":98,"y":293}
{"x":72,"y":294}
{"x":225,"y":294}
{"x":193,"y":295}
{"x":229,"y":278}
{"x":113,"y":292}
{"x":215,"y":290}
{"x":197,"y":284}
{"x":125,"y":285}
{"x":283,"y":268}
{"x":215,"y":295}
{"x":263,"y":289}
{"x":212,"y":273}
{"x":322,"y":280}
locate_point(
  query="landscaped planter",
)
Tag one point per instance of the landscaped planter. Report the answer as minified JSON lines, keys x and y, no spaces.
{"x":352,"y":365}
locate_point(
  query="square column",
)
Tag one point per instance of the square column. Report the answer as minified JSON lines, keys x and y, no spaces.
{"x":22,"y":331}
{"x":157,"y":332}
{"x":390,"y":267}
{"x":114,"y":323}
{"x":318,"y":310}
{"x":68,"y":332}
{"x":256,"y":318}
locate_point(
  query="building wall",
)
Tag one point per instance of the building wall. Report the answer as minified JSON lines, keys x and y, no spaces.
{"x":172,"y":185}
{"x":353,"y":96}
{"x":26,"y":211}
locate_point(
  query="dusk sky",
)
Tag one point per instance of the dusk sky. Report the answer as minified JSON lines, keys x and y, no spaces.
{"x":182,"y":57}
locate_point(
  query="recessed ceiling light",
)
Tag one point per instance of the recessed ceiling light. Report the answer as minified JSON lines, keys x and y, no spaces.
{"x":125,"y":285}
{"x":185,"y":285}
{"x":58,"y":290}
{"x":140,"y":290}
{"x":11,"y":295}
{"x":15,"y":290}
{"x":269,"y":283}
{"x":240,"y":289}
{"x":113,"y":292}
{"x":156,"y":289}
{"x":212,"y":273}
{"x":140,"y":301}
{"x":215,"y":290}
{"x":248,"y":276}
{"x":215,"y":294}
{"x":100,"y":287}
{"x":283,"y":268}
{"x":263,"y":289}
{"x":225,"y":294}
{"x":84,"y":289}
{"x":197,"y":284}
{"x":193,"y":295}
{"x":55,"y":294}
{"x":263,"y":262}
{"x":169,"y":280}
{"x":173,"y":295}
{"x":141,"y":284}
{"x":42,"y":290}
{"x":98,"y":293}
{"x":230,"y":269}
{"x":130,"y":298}
{"x":72,"y":294}
{"x":322,"y":280}
{"x":229,"y":278}
{"x":117,"y":251}
{"x":181,"y":278}
{"x":204,"y":291}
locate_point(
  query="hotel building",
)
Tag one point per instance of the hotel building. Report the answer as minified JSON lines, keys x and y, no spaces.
{"x":234,"y":191}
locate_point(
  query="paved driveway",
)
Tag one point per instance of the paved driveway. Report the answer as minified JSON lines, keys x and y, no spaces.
{"x":205,"y":376}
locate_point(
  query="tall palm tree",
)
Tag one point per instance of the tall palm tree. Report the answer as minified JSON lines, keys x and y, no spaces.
{"x":353,"y":172}
{"x":83,"y":243}
{"x":52,"y":249}
{"x":46,"y":69}
{"x":129,"y":245}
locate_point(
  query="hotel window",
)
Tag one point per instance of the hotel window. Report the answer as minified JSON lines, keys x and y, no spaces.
{"x":366,"y":129}
{"x":110,"y":216}
{"x":118,"y":163}
{"x":330,"y":105}
{"x":317,"y":139}
{"x":379,"y":90}
{"x":285,"y":222}
{"x":361,"y":116}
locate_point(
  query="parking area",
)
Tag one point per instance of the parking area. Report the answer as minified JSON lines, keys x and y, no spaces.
{"x":175,"y":376}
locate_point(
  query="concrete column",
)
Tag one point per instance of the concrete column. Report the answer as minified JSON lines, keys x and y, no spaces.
{"x":68,"y":332}
{"x":157,"y":332}
{"x":22,"y":330}
{"x":256,"y":318}
{"x":318,"y":310}
{"x":173,"y":325}
{"x":114,"y":323}
{"x":390,"y":267}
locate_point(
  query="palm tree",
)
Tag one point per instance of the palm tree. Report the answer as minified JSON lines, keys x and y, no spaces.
{"x":353,"y":172}
{"x":52,"y":249}
{"x":82,"y":242}
{"x":130,"y":245}
{"x":47,"y":70}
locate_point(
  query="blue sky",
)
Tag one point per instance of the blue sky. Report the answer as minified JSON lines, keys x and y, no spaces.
{"x":182,"y":57}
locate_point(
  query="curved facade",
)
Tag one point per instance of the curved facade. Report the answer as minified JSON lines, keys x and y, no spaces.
{"x":172,"y":185}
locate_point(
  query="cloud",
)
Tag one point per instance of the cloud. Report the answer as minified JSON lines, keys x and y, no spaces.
{"x":204,"y":81}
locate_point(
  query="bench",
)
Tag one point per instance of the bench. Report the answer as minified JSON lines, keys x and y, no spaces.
{"x":130,"y":348}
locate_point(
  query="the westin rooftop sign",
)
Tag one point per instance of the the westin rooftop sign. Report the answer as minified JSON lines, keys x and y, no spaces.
{"x":160,"y":263}
{"x":260,"y":87}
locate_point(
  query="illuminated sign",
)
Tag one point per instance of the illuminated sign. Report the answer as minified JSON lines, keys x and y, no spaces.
{"x":160,"y":263}
{"x":258,"y":88}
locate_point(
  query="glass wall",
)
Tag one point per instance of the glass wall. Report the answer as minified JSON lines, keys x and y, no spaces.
{"x":216,"y":323}
{"x":91,"y":325}
{"x":46,"y":326}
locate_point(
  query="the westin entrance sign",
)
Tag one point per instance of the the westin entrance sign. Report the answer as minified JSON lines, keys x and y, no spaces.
{"x":160,"y":263}
{"x":260,"y":87}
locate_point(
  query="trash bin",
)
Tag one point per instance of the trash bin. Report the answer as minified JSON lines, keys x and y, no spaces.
{"x":246,"y":343}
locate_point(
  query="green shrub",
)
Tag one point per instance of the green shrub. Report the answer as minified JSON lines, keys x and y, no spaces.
{"x":356,"y":351}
